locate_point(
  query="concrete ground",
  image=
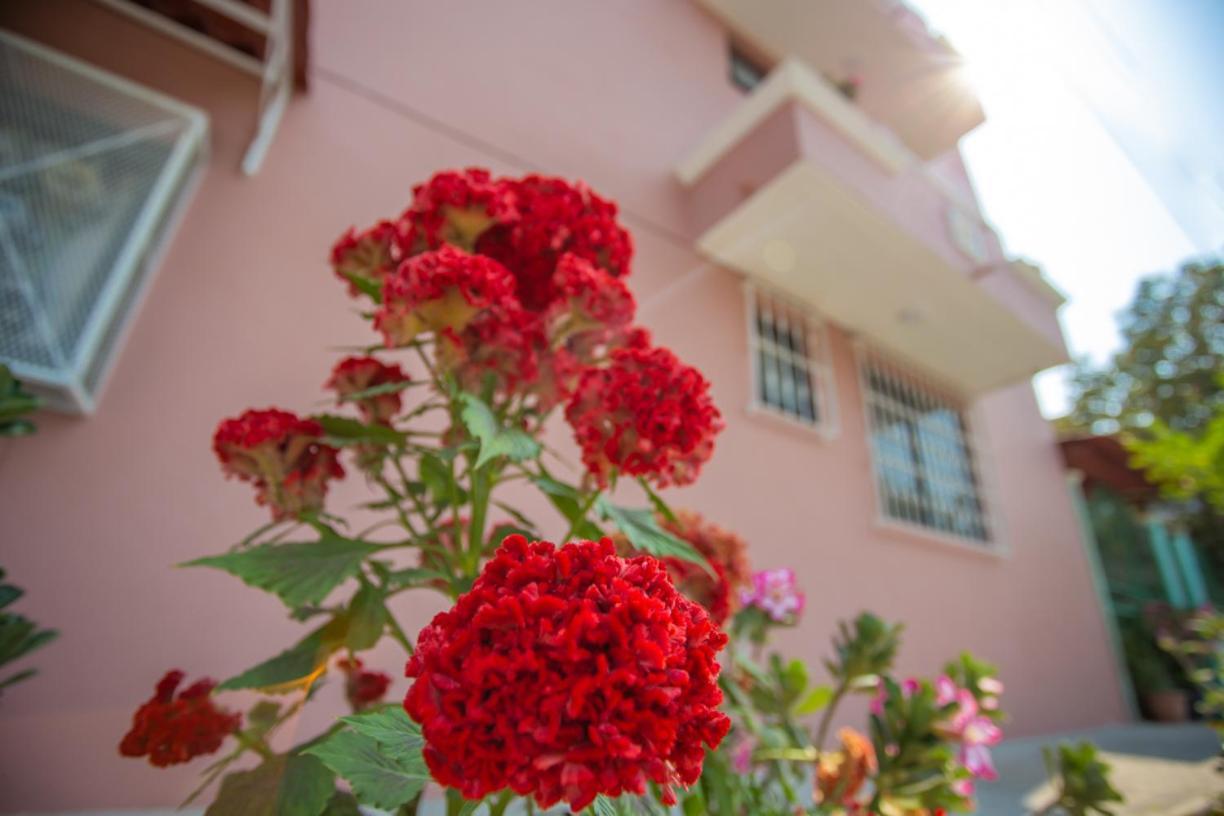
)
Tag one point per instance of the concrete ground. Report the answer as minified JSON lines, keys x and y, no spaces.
{"x":1162,"y":770}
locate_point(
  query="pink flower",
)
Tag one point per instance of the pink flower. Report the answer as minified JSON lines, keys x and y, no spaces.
{"x":975,"y":731}
{"x":741,"y":755}
{"x":776,"y":594}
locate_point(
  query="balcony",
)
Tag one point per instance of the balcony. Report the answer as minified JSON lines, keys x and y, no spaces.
{"x":802,"y":189}
{"x":911,"y":80}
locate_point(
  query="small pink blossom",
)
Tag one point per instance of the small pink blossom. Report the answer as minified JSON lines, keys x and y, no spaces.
{"x":741,"y":755}
{"x":776,"y":593}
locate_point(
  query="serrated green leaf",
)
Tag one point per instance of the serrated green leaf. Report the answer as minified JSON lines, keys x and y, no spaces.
{"x":495,"y":441}
{"x":391,"y":728}
{"x":377,"y":778}
{"x":297,"y":785}
{"x":346,"y":430}
{"x":645,"y":534}
{"x":814,"y":701}
{"x":297,"y":666}
{"x":299,"y":573}
{"x":367,"y":619}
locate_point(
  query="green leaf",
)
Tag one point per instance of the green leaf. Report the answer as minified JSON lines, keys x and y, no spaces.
{"x":377,"y":778}
{"x":342,"y":804}
{"x":17,"y":678}
{"x":391,"y":728}
{"x":295,"y":667}
{"x":814,"y":701}
{"x":299,"y":573}
{"x":469,"y":806}
{"x":346,"y":430}
{"x":412,"y":577}
{"x":367,"y":286}
{"x":262,"y":716}
{"x":297,"y":785}
{"x":603,"y":806}
{"x":8,"y":594}
{"x":495,"y":441}
{"x":568,"y":501}
{"x":379,"y":390}
{"x":436,"y":475}
{"x":656,"y":501}
{"x":645,"y":534}
{"x":367,"y":618}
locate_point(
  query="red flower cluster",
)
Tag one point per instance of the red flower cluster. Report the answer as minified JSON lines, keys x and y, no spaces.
{"x":556,"y":217}
{"x":726,"y":554}
{"x":440,"y":291}
{"x":566,"y":673}
{"x":456,"y":207}
{"x":353,"y":375}
{"x":363,"y":688}
{"x":645,"y":414}
{"x":503,"y":341}
{"x":171,"y":730}
{"x":590,"y":297}
{"x":368,"y":256}
{"x":280,"y":453}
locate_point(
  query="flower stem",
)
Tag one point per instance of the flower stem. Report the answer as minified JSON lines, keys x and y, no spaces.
{"x":827,"y":718}
{"x":581,"y":516}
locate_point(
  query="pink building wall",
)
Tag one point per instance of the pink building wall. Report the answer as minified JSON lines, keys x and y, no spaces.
{"x":93,"y":512}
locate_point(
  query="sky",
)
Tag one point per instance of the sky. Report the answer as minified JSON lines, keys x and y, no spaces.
{"x":1100,"y":158}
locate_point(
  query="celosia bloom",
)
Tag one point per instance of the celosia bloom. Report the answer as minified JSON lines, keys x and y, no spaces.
{"x":171,"y":730}
{"x":354,"y":375}
{"x":775,"y":592}
{"x":840,"y":775}
{"x":589,"y":298}
{"x":556,"y":217}
{"x":440,"y":291}
{"x":362,"y":687}
{"x":368,"y":256}
{"x":566,"y":673}
{"x":282,"y":455}
{"x":502,"y":342}
{"x":456,"y":207}
{"x":645,"y":414}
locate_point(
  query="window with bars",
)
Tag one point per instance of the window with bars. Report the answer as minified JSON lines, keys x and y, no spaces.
{"x":926,"y":468}
{"x":787,"y":348}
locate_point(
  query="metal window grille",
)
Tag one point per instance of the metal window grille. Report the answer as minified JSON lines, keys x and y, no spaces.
{"x":789,"y":361}
{"x":926,"y":466}
{"x":93,"y":171}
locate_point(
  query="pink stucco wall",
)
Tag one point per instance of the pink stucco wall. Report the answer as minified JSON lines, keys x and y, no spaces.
{"x":93,"y":512}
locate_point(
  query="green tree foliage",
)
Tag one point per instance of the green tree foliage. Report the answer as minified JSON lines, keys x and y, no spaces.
{"x":1174,"y":347}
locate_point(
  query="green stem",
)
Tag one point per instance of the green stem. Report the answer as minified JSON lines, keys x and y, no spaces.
{"x":255,"y":744}
{"x":498,"y":807}
{"x":581,"y":516}
{"x":481,"y":491}
{"x":827,"y":718}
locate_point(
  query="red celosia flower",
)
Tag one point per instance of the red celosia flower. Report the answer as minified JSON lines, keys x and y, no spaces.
{"x":170,"y":730}
{"x":353,"y":375}
{"x":280,"y":453}
{"x":556,"y":217}
{"x":455,"y":207}
{"x":566,"y":673}
{"x":501,"y":342}
{"x":362,"y":687}
{"x":645,"y":414}
{"x":438,"y":291}
{"x":588,"y":297}
{"x":369,"y":255}
{"x":724,"y":551}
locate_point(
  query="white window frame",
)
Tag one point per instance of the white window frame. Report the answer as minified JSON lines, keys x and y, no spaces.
{"x":917,"y":379}
{"x":817,"y":363}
